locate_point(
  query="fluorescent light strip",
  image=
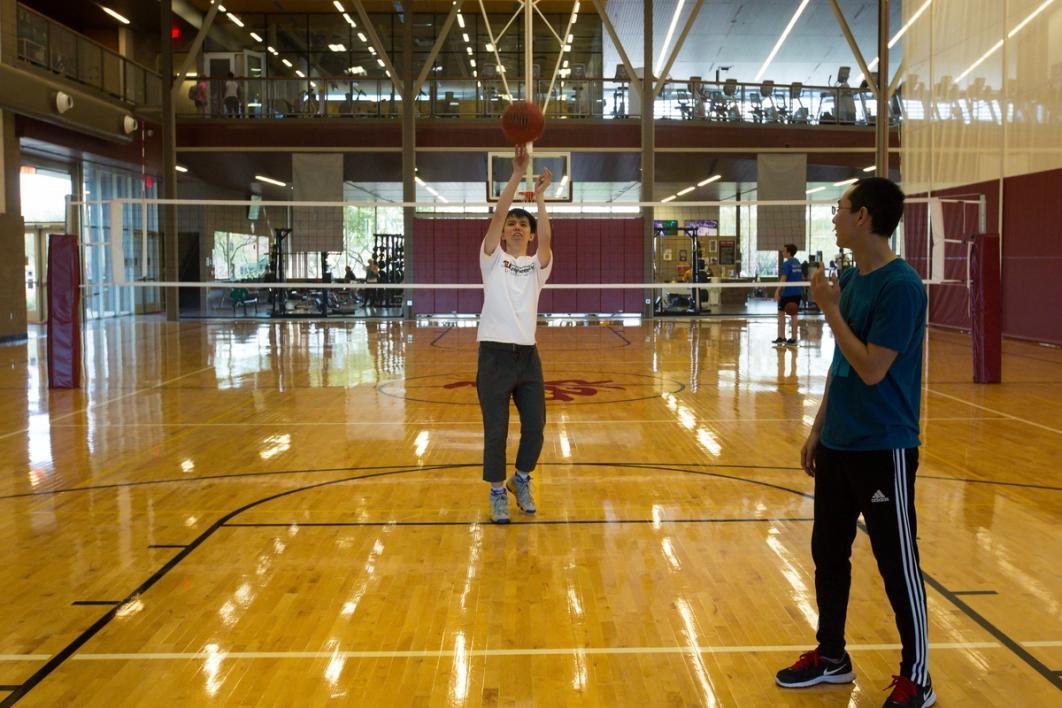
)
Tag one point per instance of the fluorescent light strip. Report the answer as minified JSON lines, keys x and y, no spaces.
{"x":255,"y":37}
{"x":272,"y":51}
{"x":114,"y":14}
{"x":337,"y":47}
{"x":687,"y":190}
{"x":670,"y":33}
{"x":1028,"y":19}
{"x":286,"y":63}
{"x":816,"y":189}
{"x":668,"y":199}
{"x":711,"y":179}
{"x":460,"y":20}
{"x":363,"y":38}
{"x":781,"y":40}
{"x":180,"y":168}
{"x":235,"y":20}
{"x":847,"y":181}
{"x":349,"y":21}
{"x":896,"y":37}
{"x":870,"y":169}
{"x":270,"y":180}
{"x":300,"y":74}
{"x":339,"y":6}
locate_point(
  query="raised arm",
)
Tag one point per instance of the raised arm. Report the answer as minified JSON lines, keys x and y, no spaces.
{"x":505,"y":200}
{"x":545,"y":231}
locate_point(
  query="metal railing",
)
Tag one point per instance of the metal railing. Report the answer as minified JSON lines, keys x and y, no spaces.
{"x":50,"y":46}
{"x":594,"y":98}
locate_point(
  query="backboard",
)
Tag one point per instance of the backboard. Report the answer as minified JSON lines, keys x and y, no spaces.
{"x":500,"y":167}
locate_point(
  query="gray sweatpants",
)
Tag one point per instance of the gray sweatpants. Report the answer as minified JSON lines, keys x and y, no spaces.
{"x":510,"y":371}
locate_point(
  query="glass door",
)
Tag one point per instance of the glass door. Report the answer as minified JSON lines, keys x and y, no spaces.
{"x":34,"y":308}
{"x":36,"y":264}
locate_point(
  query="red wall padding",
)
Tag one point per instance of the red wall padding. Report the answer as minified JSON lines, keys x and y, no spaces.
{"x":584,"y":251}
{"x":1032,"y":256}
{"x":64,"y":312}
{"x":987,"y":334}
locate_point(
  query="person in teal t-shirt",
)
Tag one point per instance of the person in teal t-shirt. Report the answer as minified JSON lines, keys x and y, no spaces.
{"x":863,"y":446}
{"x":789,"y":297}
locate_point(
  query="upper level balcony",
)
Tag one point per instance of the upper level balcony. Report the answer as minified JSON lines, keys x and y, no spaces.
{"x":49,"y":47}
{"x":587,"y":98}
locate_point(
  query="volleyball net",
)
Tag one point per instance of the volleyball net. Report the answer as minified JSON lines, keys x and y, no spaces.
{"x":364,"y":258}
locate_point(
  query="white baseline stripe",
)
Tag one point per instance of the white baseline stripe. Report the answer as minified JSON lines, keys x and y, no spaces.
{"x":446,"y":653}
{"x":99,"y":404}
{"x":442,"y":423}
{"x":993,"y":410}
{"x":441,"y":653}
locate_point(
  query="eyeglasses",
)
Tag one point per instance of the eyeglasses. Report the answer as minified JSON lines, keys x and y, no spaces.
{"x":835,"y":209}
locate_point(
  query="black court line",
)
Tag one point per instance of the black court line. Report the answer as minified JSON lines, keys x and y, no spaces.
{"x":612,"y":328}
{"x":208,"y":478}
{"x":1054,"y":677}
{"x":974,"y":592}
{"x":91,"y":603}
{"x":8,"y":687}
{"x":528,"y":522}
{"x":167,"y":545}
{"x":56,"y":661}
{"x":445,"y":332}
{"x":428,"y":468}
{"x":60,"y":658}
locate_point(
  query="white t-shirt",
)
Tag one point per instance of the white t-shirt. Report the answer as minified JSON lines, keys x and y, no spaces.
{"x":510,"y":296}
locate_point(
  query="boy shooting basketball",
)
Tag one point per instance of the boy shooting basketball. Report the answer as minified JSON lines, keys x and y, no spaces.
{"x":509,"y":366}
{"x":863,"y":446}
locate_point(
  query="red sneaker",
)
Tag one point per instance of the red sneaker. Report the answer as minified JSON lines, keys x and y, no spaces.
{"x":908,"y":694}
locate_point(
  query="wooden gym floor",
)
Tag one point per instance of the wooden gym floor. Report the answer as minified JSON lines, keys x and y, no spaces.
{"x":260,"y":513}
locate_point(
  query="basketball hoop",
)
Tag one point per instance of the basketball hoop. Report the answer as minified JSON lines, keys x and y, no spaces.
{"x":528,"y":196}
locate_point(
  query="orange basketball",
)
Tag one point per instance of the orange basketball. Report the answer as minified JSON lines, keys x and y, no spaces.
{"x":523,"y":123}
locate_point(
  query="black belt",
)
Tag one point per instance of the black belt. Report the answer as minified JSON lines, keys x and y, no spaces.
{"x":507,"y":346}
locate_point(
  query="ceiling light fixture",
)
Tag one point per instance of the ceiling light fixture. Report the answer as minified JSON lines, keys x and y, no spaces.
{"x":842,"y":183}
{"x":349,"y":21}
{"x":270,"y":180}
{"x":670,"y":33}
{"x":815,"y":189}
{"x":711,"y":179}
{"x":255,"y":37}
{"x":339,"y":6}
{"x":896,"y":37}
{"x":114,"y":14}
{"x":781,"y":40}
{"x":235,"y":20}
{"x":665,"y":200}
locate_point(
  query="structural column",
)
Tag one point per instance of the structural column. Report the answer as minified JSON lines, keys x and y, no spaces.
{"x":881,"y":125}
{"x":168,"y":214}
{"x":648,"y":148}
{"x":409,"y":151}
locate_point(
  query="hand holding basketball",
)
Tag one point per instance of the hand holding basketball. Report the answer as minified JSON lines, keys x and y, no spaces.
{"x":523,"y":123}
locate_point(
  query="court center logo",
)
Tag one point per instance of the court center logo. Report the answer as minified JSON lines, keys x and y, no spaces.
{"x":593,"y":387}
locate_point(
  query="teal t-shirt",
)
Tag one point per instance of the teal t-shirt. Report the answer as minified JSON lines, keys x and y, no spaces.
{"x":886,"y":307}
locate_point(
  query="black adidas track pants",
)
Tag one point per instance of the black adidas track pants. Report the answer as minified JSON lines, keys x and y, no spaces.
{"x":880,"y":484}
